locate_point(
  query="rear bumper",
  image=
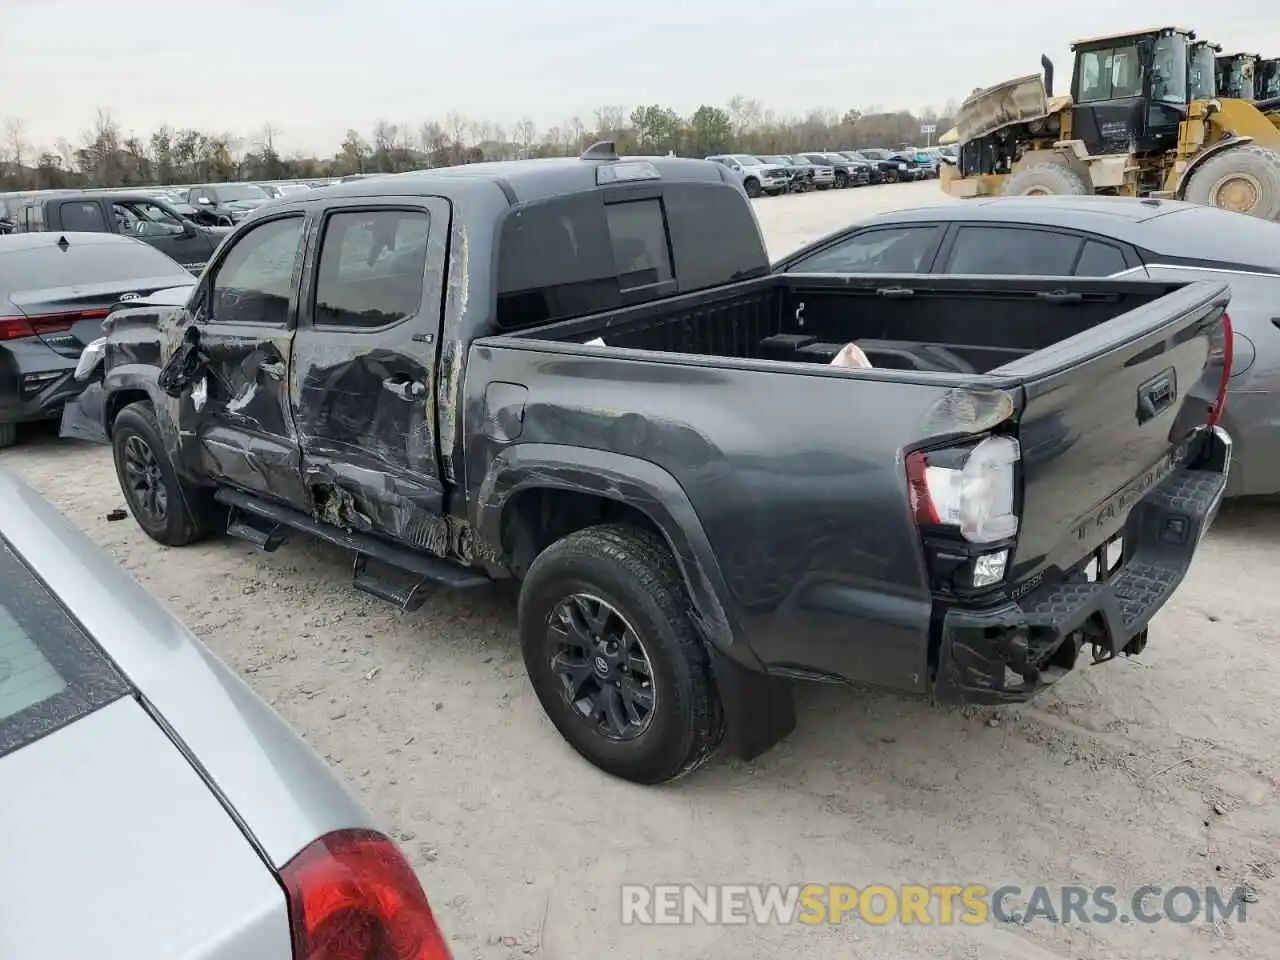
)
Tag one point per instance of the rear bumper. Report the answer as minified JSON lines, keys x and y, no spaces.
{"x":35,"y":381}
{"x":1011,"y":652}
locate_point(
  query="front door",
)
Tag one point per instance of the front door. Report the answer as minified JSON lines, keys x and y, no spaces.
{"x":154,"y":225}
{"x":368,"y":336}
{"x":243,"y":431}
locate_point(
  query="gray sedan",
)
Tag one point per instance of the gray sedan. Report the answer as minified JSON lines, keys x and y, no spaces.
{"x":1103,"y":237}
{"x":152,"y":805}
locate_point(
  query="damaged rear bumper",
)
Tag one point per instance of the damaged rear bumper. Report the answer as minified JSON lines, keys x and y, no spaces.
{"x":1011,"y":652}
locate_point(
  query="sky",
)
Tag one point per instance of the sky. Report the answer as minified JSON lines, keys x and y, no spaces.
{"x":312,"y":70}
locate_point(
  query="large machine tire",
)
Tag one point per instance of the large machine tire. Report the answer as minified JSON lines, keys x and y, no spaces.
{"x":1046,"y":180}
{"x":1245,"y":179}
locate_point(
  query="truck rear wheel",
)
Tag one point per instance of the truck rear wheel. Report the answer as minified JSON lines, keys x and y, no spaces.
{"x":147,"y":478}
{"x":1046,"y":180}
{"x":614,"y":657}
{"x":1244,"y":179}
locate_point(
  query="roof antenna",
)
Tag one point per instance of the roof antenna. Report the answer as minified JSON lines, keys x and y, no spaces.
{"x":62,"y":242}
{"x":604,"y":150}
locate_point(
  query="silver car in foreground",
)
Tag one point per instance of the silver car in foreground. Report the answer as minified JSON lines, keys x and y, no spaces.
{"x":152,"y":806}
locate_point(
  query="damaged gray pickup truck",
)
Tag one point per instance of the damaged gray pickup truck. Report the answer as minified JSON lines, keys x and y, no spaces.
{"x":582,"y":374}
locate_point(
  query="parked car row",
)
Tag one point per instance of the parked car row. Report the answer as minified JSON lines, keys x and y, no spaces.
{"x":775,"y":174}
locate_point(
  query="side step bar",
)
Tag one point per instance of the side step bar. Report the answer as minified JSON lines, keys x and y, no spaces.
{"x":270,"y":520}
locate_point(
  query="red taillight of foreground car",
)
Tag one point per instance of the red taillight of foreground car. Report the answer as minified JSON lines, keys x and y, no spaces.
{"x":353,"y":896}
{"x":14,"y":328}
{"x":1220,"y":351}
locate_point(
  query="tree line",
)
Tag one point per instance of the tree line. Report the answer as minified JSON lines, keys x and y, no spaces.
{"x":107,"y":156}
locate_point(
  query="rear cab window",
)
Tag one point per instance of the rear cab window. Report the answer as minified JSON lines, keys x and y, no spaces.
{"x":83,"y":216}
{"x":597,"y":250}
{"x":51,"y":673}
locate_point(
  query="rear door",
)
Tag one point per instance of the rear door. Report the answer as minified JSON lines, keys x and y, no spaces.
{"x":1003,"y":249}
{"x":1106,"y":415}
{"x":363,"y":362}
{"x":162,"y":229}
{"x":240,"y":414}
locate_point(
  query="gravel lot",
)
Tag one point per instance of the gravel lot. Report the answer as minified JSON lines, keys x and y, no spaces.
{"x":1161,"y":770}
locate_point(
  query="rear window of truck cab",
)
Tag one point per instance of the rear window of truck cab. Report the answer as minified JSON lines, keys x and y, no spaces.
{"x":573,"y":255}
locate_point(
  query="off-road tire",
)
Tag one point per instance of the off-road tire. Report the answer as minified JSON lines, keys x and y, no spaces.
{"x":752,"y":186}
{"x":179,"y":525}
{"x":633,"y":571}
{"x":1257,"y":166}
{"x":1046,"y":179}
{"x":8,"y":435}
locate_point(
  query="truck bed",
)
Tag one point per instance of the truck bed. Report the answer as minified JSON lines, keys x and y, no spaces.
{"x":1100,"y":381}
{"x":959,"y":325}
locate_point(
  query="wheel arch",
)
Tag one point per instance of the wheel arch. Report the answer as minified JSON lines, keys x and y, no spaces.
{"x":1196,"y":162}
{"x":533,"y":494}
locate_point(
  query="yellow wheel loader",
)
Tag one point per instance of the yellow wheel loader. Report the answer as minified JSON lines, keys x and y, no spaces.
{"x":1142,"y":119}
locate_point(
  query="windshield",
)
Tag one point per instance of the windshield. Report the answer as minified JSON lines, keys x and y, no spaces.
{"x":1169,"y":69}
{"x":1240,"y":79}
{"x":241,"y":191}
{"x":782,"y":161}
{"x":747,"y":161}
{"x":1200,"y":71}
{"x":876,"y":154}
{"x":1269,"y":84}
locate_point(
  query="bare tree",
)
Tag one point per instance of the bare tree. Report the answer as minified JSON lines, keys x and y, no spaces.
{"x":526,"y":132}
{"x":434,"y":141}
{"x":574,"y":134}
{"x":455,"y":124}
{"x":610,"y":121}
{"x":744,"y":114}
{"x":15,"y":141}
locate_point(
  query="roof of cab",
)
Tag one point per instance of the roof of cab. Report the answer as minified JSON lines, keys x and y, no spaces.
{"x":521,"y":180}
{"x":1134,"y":33}
{"x":51,"y":238}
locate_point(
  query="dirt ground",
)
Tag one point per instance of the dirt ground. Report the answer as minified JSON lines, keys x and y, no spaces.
{"x":1161,"y":770}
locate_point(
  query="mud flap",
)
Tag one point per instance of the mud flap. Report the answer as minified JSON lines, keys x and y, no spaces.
{"x":759,"y":710}
{"x":82,"y":418}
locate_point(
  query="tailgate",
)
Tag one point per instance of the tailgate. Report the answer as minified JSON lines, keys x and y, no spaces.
{"x":1105,"y":416}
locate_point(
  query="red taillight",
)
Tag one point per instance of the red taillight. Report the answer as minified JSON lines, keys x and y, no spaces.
{"x":12,"y":328}
{"x":922,"y":507}
{"x":1220,"y":403}
{"x":353,"y":896}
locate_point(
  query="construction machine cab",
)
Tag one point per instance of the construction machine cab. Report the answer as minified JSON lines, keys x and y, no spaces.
{"x":1202,"y":70}
{"x":1130,"y":92}
{"x":1267,"y":80}
{"x":1236,"y":74}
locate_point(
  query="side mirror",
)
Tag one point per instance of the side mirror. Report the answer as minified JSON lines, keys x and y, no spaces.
{"x":189,"y":229}
{"x":204,"y":201}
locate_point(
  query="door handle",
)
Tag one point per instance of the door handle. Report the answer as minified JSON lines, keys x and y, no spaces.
{"x":404,"y":388}
{"x":273,"y":369}
{"x":1157,"y":395}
